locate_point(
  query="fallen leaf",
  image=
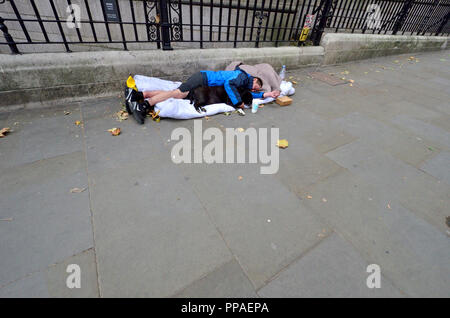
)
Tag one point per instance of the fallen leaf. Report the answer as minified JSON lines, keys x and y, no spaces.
{"x":389,"y":206}
{"x":114,"y":131}
{"x":78,"y":123}
{"x":121,"y":115}
{"x":227,"y":113}
{"x":241,"y":129}
{"x":282,"y":143}
{"x":294,"y":82}
{"x":324,"y":200}
{"x":4,"y":132}
{"x":207,"y":117}
{"x":66,"y":112}
{"x":345,"y":72}
{"x":309,"y":197}
{"x":351,"y":81}
{"x":77,"y":190}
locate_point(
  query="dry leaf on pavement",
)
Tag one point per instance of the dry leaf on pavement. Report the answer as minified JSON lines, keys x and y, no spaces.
{"x":4,"y":132}
{"x":77,"y":190}
{"x":114,"y":131}
{"x":282,"y":143}
{"x":121,"y":115}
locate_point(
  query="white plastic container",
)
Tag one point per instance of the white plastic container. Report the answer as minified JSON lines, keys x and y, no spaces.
{"x":255,"y":106}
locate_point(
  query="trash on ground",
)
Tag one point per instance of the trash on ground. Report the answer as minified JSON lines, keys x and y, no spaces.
{"x":4,"y":131}
{"x":282,"y":143}
{"x":114,"y":131}
{"x":284,"y":101}
{"x":121,"y":115}
{"x":7,"y":220}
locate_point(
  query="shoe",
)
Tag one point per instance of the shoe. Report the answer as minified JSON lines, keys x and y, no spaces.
{"x":128,"y":93}
{"x":139,"y":111}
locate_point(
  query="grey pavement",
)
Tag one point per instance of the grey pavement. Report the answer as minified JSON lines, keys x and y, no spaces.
{"x":365,"y":180}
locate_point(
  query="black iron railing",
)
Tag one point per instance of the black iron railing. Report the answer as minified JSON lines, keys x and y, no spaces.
{"x":137,"y":24}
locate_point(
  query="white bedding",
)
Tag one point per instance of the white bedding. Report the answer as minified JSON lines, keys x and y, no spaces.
{"x":182,"y":108}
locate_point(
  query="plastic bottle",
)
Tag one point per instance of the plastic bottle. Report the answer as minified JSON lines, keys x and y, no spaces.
{"x":255,"y":106}
{"x":283,"y":72}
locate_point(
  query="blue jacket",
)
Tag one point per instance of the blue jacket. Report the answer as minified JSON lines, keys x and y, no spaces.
{"x":231,"y":80}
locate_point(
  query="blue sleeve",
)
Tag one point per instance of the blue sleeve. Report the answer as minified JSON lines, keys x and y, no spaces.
{"x":258,"y":95}
{"x":231,"y":89}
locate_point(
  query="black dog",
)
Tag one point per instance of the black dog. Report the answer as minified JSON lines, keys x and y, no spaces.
{"x":206,"y":95}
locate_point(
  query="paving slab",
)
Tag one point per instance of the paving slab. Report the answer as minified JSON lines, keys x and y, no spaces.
{"x":416,"y":190}
{"x":413,"y":255}
{"x":40,"y":134}
{"x":334,"y":268}
{"x":152,"y":234}
{"x":56,"y":277}
{"x":439,"y":166}
{"x":227,"y":281}
{"x":264,"y":224}
{"x":436,"y":134}
{"x":49,"y":223}
{"x":31,"y":286}
{"x":409,"y":148}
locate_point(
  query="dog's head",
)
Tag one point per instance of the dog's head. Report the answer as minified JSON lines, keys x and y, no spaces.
{"x":246,"y":97}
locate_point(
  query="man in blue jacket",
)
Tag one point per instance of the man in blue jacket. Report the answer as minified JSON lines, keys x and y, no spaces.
{"x":230,"y":80}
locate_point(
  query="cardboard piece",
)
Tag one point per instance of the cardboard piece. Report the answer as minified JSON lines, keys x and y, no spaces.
{"x":284,"y":101}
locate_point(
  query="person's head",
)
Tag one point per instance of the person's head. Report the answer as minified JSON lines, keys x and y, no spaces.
{"x":257,"y":84}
